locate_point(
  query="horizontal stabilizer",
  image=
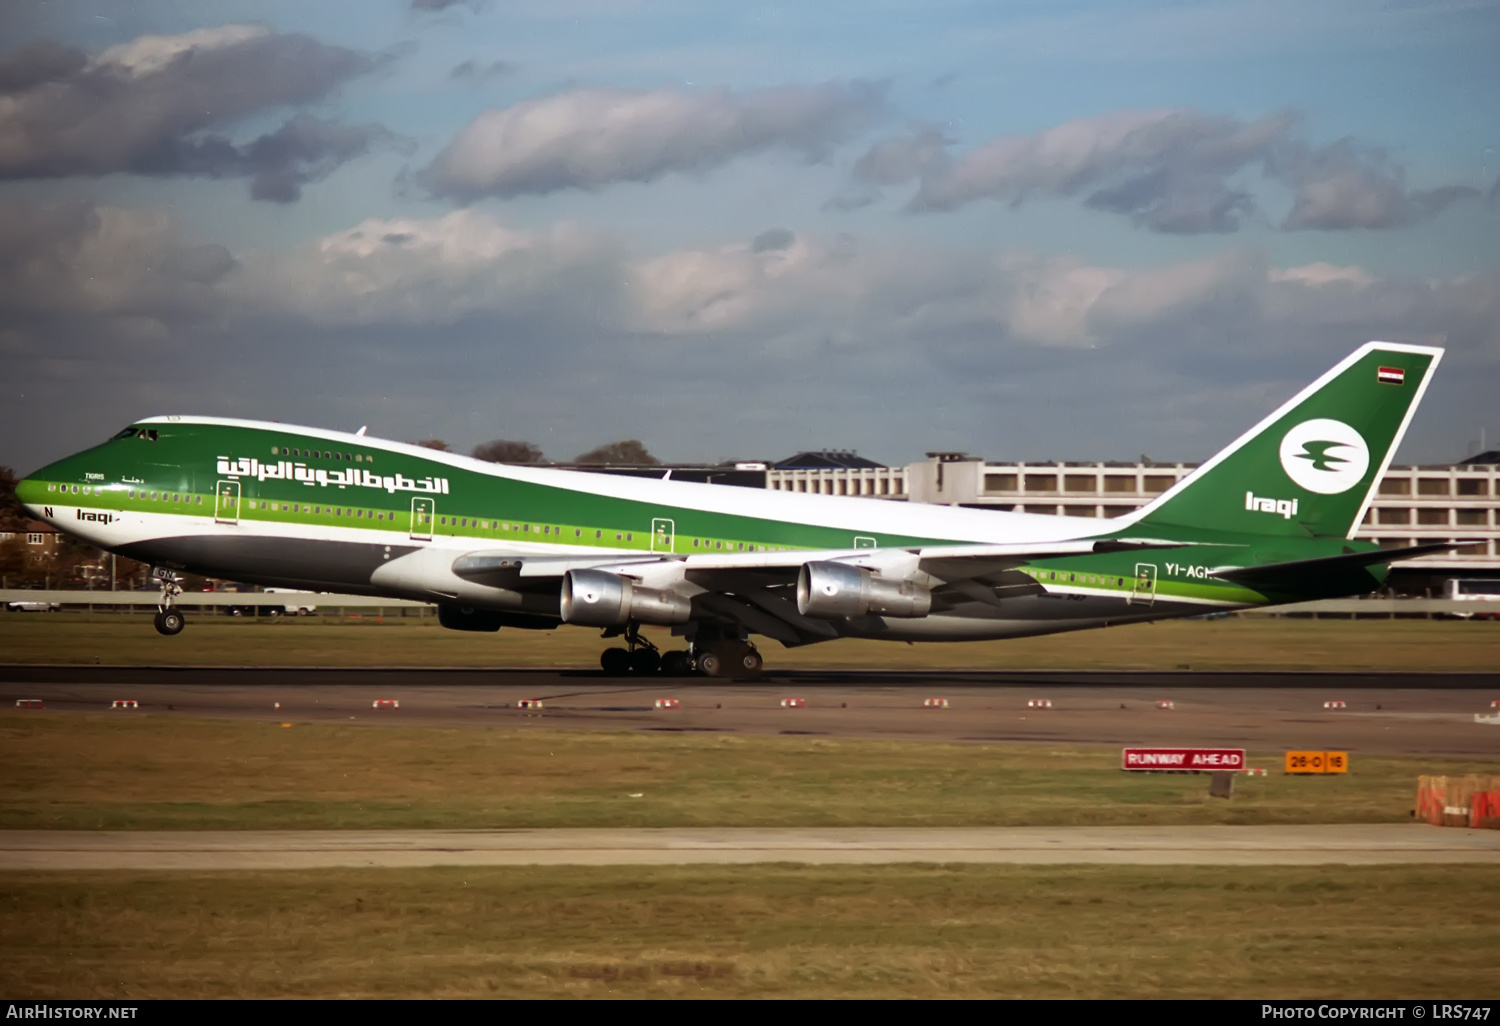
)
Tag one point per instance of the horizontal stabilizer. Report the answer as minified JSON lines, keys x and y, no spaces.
{"x":1297,"y":570}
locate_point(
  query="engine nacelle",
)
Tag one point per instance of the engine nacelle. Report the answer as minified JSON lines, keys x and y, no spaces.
{"x":594,"y":598}
{"x":832,"y":590}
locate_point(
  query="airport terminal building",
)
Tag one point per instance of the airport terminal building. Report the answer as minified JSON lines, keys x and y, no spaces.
{"x":1413,"y":504}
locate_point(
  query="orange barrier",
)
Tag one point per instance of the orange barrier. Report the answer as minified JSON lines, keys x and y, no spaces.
{"x":1484,"y":806}
{"x":1471,"y":801}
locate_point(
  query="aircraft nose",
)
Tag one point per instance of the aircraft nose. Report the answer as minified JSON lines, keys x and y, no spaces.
{"x":32,"y":491}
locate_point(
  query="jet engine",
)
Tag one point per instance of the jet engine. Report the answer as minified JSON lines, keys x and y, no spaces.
{"x":594,"y":598}
{"x":832,"y":590}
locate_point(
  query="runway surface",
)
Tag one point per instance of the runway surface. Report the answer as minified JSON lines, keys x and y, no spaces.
{"x":1365,"y":844}
{"x":1397,"y":714}
{"x":552,"y":679}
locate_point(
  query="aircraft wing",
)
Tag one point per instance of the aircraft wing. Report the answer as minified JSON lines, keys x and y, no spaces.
{"x":945,"y":562}
{"x":757,"y":589}
{"x":1292,"y":573}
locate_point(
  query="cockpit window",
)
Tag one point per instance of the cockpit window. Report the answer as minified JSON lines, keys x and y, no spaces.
{"x":148,"y":434}
{"x":127,"y":433}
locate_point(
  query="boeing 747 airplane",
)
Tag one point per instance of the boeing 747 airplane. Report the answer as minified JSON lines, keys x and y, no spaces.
{"x":1269,"y":520}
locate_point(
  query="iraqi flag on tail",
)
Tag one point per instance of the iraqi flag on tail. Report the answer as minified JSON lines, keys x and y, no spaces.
{"x":1390,"y":376}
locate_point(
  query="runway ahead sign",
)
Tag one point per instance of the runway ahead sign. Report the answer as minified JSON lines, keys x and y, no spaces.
{"x":1182,"y":760}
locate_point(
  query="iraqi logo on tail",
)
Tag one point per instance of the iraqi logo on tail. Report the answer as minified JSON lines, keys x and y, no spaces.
{"x":1325,"y":456}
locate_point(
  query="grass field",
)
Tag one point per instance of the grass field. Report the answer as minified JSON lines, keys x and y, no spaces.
{"x":1230,"y":644}
{"x":766,"y":931}
{"x":161,"y":772}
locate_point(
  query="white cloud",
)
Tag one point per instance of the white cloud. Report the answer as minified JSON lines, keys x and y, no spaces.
{"x":434,"y":271}
{"x":1179,"y":171}
{"x":148,"y":55}
{"x":591,"y":138}
{"x":155,"y":106}
{"x":466,"y":326}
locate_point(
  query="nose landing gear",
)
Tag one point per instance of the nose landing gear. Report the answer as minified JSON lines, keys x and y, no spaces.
{"x":168,"y":621}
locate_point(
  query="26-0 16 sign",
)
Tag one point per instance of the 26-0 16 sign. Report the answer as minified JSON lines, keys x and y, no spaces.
{"x":1182,"y":760}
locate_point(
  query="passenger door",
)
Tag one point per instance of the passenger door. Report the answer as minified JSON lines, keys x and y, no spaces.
{"x":422,"y":514}
{"x":663,"y":534}
{"x":227,"y":502}
{"x":1143,"y":592}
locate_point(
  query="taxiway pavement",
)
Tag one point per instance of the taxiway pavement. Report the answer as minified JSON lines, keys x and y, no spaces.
{"x":1349,"y":844}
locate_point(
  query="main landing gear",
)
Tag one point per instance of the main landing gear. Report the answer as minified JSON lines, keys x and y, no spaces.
{"x":714,"y":654}
{"x":640,"y":657}
{"x":169,"y":621}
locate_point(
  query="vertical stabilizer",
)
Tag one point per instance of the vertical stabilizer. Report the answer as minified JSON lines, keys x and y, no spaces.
{"x":1308,"y":469}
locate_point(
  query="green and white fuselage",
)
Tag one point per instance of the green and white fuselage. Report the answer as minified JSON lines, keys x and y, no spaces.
{"x":1268,"y":520}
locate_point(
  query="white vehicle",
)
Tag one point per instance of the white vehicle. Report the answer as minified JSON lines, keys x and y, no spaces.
{"x":268,"y":609}
{"x":1485,"y":591}
{"x":32,"y":607}
{"x":292,"y":608}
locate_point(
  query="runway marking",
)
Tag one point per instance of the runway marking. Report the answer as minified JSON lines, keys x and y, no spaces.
{"x":1345,"y":844}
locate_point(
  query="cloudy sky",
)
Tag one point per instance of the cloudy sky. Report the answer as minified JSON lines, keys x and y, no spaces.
{"x":1046,"y":229}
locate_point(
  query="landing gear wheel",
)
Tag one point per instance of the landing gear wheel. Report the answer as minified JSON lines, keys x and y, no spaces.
{"x":676,"y":664}
{"x":750,"y":664}
{"x":645,"y":661}
{"x":709,"y":664}
{"x":169,"y":622}
{"x":616,"y":662}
